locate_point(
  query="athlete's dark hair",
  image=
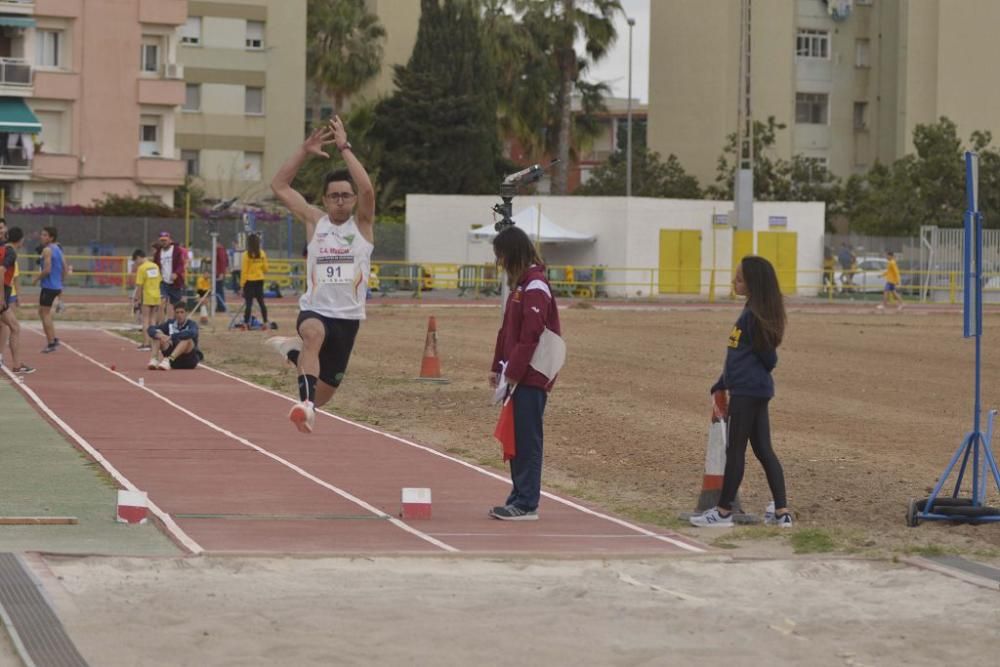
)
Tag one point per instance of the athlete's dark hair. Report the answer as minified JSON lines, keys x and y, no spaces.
{"x":764,"y":301}
{"x":51,"y":231}
{"x":137,"y":253}
{"x":253,"y":246}
{"x":338,"y":175}
{"x":515,"y":253}
{"x":14,"y":234}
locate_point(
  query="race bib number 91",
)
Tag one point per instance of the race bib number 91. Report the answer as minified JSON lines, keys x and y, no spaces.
{"x":335,"y":270}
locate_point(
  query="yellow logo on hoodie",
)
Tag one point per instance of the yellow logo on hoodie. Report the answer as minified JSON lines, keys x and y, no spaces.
{"x":734,"y":337}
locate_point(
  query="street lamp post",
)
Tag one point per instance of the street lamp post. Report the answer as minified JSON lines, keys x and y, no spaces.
{"x":628,"y":146}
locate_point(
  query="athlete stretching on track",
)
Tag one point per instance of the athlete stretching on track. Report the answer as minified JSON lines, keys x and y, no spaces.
{"x":338,"y":260}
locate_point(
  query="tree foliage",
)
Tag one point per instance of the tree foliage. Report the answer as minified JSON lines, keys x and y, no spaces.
{"x":438,"y":131}
{"x":345,"y":47}
{"x":539,"y":72}
{"x":651,"y":177}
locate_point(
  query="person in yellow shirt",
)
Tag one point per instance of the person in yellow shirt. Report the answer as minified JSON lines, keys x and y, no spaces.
{"x":252,"y":279}
{"x":892,"y":280}
{"x":147,"y":294}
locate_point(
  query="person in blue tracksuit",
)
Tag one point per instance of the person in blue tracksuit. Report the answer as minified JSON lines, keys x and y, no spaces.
{"x":746,"y":376}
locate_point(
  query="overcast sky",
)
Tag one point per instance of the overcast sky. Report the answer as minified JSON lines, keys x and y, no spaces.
{"x":613,"y":69}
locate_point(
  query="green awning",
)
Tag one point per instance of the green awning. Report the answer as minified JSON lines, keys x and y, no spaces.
{"x":16,"y":21}
{"x":16,"y":117}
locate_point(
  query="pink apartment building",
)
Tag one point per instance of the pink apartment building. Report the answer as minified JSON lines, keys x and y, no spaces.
{"x":89,"y":95}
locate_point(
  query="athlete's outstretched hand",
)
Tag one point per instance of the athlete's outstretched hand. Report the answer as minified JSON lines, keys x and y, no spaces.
{"x":339,"y":133}
{"x":320,"y":137}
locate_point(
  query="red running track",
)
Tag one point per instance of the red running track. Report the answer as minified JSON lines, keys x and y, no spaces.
{"x":226,"y":472}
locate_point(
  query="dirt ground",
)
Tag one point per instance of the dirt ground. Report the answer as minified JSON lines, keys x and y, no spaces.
{"x":869,"y":409}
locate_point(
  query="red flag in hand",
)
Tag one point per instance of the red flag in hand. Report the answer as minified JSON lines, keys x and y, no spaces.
{"x":504,"y":432}
{"x":720,"y":406}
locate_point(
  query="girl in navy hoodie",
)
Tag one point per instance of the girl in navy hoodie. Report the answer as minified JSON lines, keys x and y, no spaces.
{"x":750,"y":358}
{"x":529,"y":311}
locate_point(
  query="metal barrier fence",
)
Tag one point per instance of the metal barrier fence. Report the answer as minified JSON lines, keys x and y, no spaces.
{"x":109,"y":236}
{"x":588,"y":282}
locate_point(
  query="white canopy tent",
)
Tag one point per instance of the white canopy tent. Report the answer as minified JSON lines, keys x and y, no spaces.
{"x":537,"y":226}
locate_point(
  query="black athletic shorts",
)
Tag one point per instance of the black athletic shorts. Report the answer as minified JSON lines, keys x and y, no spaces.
{"x":184,"y":361}
{"x":337,"y":345}
{"x":7,"y":298}
{"x":48,"y":297}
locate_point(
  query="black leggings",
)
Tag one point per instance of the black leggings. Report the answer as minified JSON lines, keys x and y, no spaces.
{"x":748,"y":420}
{"x":254,"y":289}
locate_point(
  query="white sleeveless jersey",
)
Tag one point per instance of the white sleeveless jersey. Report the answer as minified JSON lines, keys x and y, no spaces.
{"x":338,"y":262}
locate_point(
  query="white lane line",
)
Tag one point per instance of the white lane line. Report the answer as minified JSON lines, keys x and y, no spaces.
{"x":243,"y":441}
{"x":168,"y":522}
{"x":569,"y":503}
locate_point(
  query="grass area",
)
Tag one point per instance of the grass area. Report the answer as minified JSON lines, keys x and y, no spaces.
{"x":812,"y":541}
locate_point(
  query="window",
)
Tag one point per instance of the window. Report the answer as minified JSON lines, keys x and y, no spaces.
{"x":860,"y":115}
{"x":862,"y":48}
{"x":191,"y":160}
{"x":47,"y":199}
{"x":811,"y":108}
{"x":812,"y":44}
{"x":255,"y":35}
{"x":192,"y":97}
{"x":149,"y":136}
{"x":150,"y":56}
{"x":252,"y":166}
{"x":47,"y":49}
{"x":254,"y":101}
{"x":191,"y":32}
{"x":51,"y":137}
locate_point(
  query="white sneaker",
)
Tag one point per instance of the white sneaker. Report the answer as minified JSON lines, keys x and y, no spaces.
{"x":769,"y":517}
{"x":712,"y":519}
{"x":880,"y":307}
{"x":153,"y":364}
{"x":303,"y":415}
{"x":783,"y":521}
{"x":285,"y":344}
{"x":164,"y":364}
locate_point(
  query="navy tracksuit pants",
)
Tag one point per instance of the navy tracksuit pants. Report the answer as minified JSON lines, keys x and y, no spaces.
{"x":526,"y":466}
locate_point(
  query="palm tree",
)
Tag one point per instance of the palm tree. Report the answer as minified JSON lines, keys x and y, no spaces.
{"x":562,"y":21}
{"x":345,"y":47}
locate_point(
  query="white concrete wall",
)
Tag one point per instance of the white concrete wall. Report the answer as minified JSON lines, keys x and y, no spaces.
{"x":627,"y":231}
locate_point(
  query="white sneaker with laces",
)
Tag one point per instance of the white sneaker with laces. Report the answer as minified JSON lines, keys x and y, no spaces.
{"x":285,"y":344}
{"x":712,"y":519}
{"x":783,"y":521}
{"x":164,"y":364}
{"x":153,"y":364}
{"x":303,"y":415}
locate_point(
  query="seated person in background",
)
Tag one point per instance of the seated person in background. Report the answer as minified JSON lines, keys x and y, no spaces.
{"x":175,"y":342}
{"x":202,"y":284}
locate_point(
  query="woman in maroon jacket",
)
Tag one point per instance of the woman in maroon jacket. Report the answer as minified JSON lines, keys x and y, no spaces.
{"x":529,"y":311}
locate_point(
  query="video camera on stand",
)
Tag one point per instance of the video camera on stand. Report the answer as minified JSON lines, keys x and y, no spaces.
{"x":509,"y":187}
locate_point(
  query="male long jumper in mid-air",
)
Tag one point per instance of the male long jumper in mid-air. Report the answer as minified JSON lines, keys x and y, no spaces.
{"x":340,"y":239}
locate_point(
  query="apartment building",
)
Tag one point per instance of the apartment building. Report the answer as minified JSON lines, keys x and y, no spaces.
{"x":850,"y":78}
{"x":88,"y":98}
{"x":245,"y":69}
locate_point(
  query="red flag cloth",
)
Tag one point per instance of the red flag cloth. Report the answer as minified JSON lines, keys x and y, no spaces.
{"x":504,"y":432}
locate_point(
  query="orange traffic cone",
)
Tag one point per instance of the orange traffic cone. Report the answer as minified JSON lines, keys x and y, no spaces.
{"x":715,"y":463}
{"x":430,"y":365}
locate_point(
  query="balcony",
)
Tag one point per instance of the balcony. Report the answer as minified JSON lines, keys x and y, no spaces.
{"x":23,"y":7}
{"x":168,"y":12}
{"x":15,"y":77}
{"x":56,"y":167}
{"x":160,"y":171}
{"x":14,"y":163}
{"x":163,"y":92}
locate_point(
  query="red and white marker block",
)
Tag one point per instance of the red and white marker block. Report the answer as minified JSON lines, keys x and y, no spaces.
{"x":416,"y":503}
{"x":131,"y":506}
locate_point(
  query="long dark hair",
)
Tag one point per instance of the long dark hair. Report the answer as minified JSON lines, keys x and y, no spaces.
{"x":253,"y":246}
{"x":764,"y":301}
{"x":515,"y":253}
